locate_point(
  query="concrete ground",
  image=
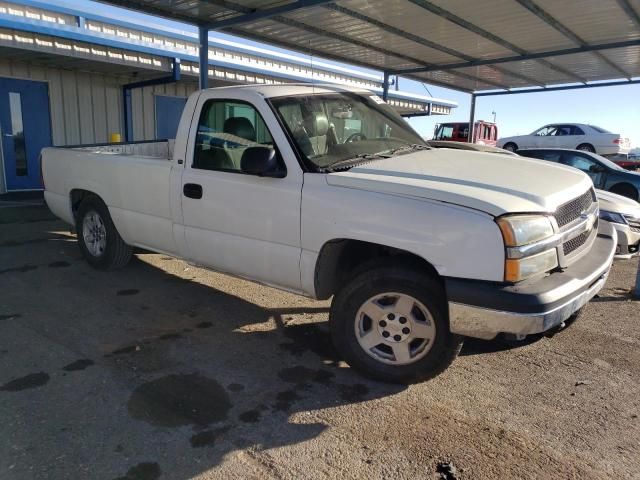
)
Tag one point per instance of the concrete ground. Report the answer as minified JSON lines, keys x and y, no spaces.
{"x":162,"y":370}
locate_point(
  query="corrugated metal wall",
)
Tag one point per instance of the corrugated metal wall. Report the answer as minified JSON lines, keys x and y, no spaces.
{"x":87,"y":107}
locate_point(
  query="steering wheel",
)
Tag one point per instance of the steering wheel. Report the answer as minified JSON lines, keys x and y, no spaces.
{"x":351,"y":138}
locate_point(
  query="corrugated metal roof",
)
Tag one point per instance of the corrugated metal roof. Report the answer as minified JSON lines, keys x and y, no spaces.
{"x":571,"y":41}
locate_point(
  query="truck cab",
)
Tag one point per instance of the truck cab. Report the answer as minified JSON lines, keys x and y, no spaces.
{"x":485,"y":133}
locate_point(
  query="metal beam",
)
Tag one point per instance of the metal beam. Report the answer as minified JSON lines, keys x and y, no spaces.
{"x":203,"y":56}
{"x":385,"y":86}
{"x":335,"y":36}
{"x":630,"y":11}
{"x":564,"y":30}
{"x":420,"y":40}
{"x":472,"y":118}
{"x":461,"y":22}
{"x":519,"y":58}
{"x":265,"y":13}
{"x":555,"y":89}
{"x":126,"y":95}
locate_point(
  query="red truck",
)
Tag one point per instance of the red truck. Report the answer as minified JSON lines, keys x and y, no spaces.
{"x":485,"y":133}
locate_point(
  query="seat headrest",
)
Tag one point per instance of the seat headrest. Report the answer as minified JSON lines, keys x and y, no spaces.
{"x":316,"y":124}
{"x":240,"y":127}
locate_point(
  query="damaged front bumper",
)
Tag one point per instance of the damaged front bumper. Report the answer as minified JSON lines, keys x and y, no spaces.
{"x":485,"y":309}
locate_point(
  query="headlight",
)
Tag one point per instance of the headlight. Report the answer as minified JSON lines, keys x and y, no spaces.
{"x":612,"y":217}
{"x":528,"y":248}
{"x":520,"y":230}
{"x":521,"y":268}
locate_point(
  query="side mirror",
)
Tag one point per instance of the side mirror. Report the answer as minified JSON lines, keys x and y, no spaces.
{"x":261,"y":161}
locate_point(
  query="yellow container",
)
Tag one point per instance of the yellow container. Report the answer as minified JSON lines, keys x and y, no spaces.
{"x":115,"y":138}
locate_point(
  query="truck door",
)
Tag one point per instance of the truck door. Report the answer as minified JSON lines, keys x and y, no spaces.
{"x":236,"y":222}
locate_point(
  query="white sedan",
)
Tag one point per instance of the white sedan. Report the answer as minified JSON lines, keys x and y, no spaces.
{"x":576,"y":136}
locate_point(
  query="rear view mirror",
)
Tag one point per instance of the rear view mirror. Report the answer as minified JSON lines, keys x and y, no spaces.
{"x":261,"y":161}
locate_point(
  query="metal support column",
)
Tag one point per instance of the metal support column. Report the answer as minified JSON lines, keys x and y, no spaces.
{"x":636,"y":291}
{"x":472,"y":118}
{"x":203,"y":33}
{"x":126,"y":95}
{"x":385,"y":86}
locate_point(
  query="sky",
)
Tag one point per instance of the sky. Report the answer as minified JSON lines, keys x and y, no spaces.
{"x":616,"y":109}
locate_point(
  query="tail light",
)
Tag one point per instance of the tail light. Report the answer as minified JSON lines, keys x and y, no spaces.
{"x":617,"y":141}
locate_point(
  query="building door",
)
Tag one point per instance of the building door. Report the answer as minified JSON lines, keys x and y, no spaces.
{"x":168,"y":113}
{"x":25,"y":123}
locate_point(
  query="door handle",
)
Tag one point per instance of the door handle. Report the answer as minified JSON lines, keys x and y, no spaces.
{"x":192,"y":190}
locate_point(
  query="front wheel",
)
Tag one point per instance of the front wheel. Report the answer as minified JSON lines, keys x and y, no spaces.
{"x":510,"y":147}
{"x":391,"y":323}
{"x":98,"y":238}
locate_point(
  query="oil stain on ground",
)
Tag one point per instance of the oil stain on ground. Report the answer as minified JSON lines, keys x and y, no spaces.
{"x":10,"y":316}
{"x":78,"y":365}
{"x":142,"y":471}
{"x":204,"y":325}
{"x":285,"y":399}
{"x":32,"y":380}
{"x":61,"y":264}
{"x":207,"y":438}
{"x":21,"y":269}
{"x":250,"y":416}
{"x":301,"y":375}
{"x":127,"y":292}
{"x":177,"y":400}
{"x":170,"y":336}
{"x":309,"y":337}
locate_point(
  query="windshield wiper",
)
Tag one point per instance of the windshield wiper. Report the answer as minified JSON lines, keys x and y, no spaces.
{"x":353,"y":161}
{"x":407,"y":149}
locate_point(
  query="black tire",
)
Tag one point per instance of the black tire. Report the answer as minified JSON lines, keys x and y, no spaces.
{"x":116,"y":254}
{"x":401,"y":279}
{"x":511,"y":147}
{"x":586,"y":147}
{"x":626,"y":190}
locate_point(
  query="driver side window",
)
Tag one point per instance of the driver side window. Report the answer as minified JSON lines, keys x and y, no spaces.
{"x":225,"y":130}
{"x":581,"y":163}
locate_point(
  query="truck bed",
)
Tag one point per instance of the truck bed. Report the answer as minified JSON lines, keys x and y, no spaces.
{"x":162,"y":149}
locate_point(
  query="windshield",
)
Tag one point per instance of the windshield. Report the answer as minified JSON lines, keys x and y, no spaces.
{"x":329,"y":128}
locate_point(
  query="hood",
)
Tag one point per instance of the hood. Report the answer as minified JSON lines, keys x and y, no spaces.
{"x":493,"y":183}
{"x":612,"y":202}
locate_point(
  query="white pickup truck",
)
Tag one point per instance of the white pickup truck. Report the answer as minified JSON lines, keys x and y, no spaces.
{"x":325,"y":191}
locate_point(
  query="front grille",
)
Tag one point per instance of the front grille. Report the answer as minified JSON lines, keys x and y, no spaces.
{"x":575,"y":243}
{"x":570,"y":211}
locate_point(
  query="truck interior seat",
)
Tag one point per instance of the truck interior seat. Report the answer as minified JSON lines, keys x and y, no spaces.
{"x":239,"y":127}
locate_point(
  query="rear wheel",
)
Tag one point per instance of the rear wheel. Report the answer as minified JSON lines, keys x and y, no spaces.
{"x":626,"y":190}
{"x":99,"y":241}
{"x":391,"y":323}
{"x":511,"y":147}
{"x":586,"y":147}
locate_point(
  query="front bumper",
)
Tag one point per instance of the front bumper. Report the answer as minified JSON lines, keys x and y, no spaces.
{"x":628,"y":240}
{"x":485,"y":309}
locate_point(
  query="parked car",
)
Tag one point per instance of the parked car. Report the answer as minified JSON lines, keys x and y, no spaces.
{"x":605,"y":174}
{"x":579,"y":136}
{"x":624,"y":216}
{"x":484,"y":133}
{"x":626,"y":161}
{"x":468,"y":146}
{"x":418,"y":246}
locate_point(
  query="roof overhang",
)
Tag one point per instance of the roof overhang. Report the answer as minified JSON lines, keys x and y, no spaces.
{"x":468,"y":46}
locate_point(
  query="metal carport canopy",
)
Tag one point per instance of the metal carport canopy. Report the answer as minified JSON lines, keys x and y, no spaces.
{"x":472,"y":46}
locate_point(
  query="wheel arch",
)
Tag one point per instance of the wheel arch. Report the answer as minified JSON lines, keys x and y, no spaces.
{"x":342,"y":258}
{"x":623,"y":186}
